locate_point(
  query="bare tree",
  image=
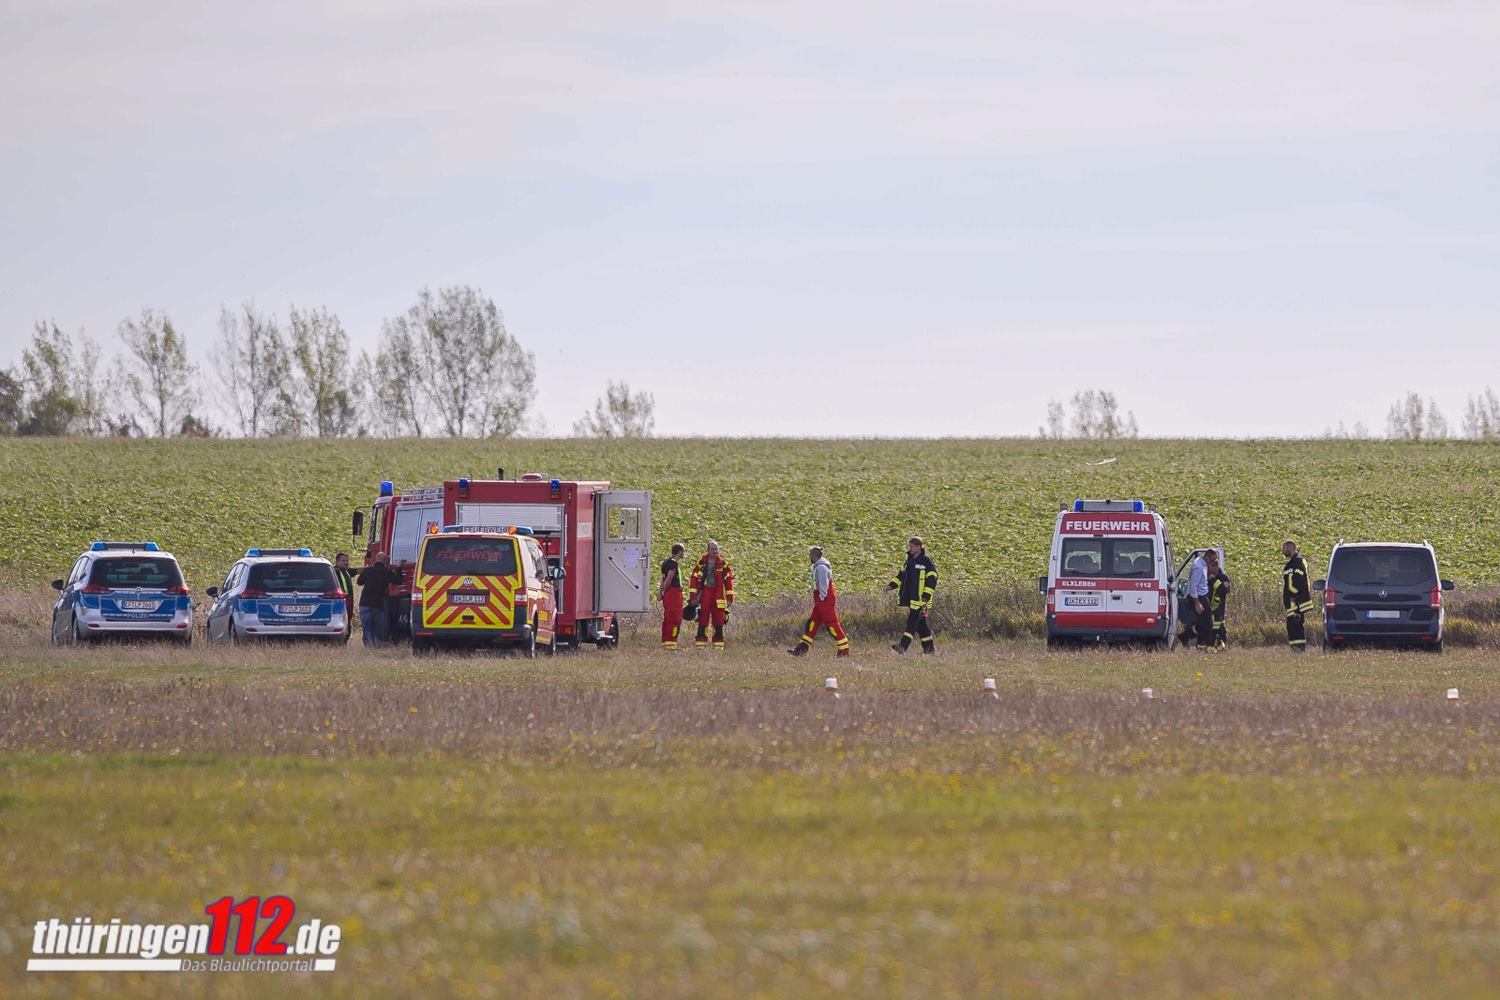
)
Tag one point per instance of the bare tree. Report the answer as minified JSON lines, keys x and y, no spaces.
{"x":1056,"y":426}
{"x":12,"y":403}
{"x":321,"y":396}
{"x":452,"y":360}
{"x":1096,"y":414}
{"x":1482,"y":416}
{"x":1359,"y":432}
{"x":250,"y":363}
{"x":619,"y":413}
{"x":393,"y":381}
{"x":162,"y":383}
{"x":1412,"y":419}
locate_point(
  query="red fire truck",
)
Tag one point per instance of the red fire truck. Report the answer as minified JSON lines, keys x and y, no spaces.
{"x":597,"y":541}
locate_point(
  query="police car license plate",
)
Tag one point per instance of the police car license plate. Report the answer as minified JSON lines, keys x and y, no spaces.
{"x":139,"y":605}
{"x":1382,"y":614}
{"x":468,"y":598}
{"x":1080,"y":600}
{"x":294,"y":610}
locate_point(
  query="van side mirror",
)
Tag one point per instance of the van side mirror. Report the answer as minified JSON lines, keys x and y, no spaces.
{"x":359,"y":523}
{"x":1446,"y":584}
{"x":1320,"y":585}
{"x":212,"y":591}
{"x":57,"y":585}
{"x":1041,"y":584}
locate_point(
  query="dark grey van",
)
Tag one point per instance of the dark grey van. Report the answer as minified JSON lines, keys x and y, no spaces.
{"x":1383,"y":592}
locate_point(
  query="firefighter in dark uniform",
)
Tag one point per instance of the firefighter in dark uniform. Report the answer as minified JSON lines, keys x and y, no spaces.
{"x":1296,"y":597}
{"x":917,"y":582}
{"x":1218,"y":597}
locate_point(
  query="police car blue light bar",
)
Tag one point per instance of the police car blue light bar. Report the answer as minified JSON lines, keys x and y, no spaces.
{"x":107,"y":546}
{"x":256,"y":553}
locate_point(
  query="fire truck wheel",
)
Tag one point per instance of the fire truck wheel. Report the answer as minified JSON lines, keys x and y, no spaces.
{"x":614,"y":634}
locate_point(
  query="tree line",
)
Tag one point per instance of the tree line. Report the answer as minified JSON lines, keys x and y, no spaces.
{"x":447,"y":367}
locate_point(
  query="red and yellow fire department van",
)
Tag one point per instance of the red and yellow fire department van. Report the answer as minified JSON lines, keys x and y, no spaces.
{"x":478,"y":586}
{"x":595,"y":540}
{"x":1110,"y":577}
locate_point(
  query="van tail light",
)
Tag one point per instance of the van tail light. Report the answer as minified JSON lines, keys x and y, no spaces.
{"x":252,"y":592}
{"x":1051,"y":598}
{"x":96,"y":588}
{"x":1330,"y":597}
{"x":1436,"y":597}
{"x":1161,"y":601}
{"x":335,"y":594}
{"x":416,"y":597}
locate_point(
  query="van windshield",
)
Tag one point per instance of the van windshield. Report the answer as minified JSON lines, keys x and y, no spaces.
{"x":472,"y":556}
{"x":1368,"y":567}
{"x":1130,"y":558}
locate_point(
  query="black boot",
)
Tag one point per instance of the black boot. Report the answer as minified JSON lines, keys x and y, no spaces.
{"x":798,"y":650}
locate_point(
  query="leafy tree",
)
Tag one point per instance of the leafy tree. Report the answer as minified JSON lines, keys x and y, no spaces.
{"x":1056,"y":421}
{"x":322,"y":394}
{"x":12,"y":402}
{"x":1482,"y":416}
{"x":250,"y":363}
{"x":619,"y":413}
{"x":1411,"y":419}
{"x":162,"y":381}
{"x":61,"y":391}
{"x":450,"y":364}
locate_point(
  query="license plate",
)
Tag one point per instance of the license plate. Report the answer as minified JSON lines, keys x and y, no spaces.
{"x":468,"y":598}
{"x":139,"y":605}
{"x":293,"y":610}
{"x":1080,"y":600}
{"x":1382,"y":614}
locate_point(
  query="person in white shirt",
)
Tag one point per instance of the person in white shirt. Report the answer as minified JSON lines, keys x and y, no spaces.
{"x":825,"y":612}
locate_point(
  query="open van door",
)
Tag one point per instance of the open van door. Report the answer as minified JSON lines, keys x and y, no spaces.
{"x":622,"y":556}
{"x":1186,"y":613}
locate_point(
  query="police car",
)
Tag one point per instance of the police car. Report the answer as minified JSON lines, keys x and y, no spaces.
{"x":122,"y":588}
{"x":278,"y":594}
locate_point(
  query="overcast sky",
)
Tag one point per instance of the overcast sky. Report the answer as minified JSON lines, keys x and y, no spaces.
{"x":1245,"y":218}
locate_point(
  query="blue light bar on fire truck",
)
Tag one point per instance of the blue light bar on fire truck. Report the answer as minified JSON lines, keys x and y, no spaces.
{"x":387,"y":488}
{"x":487,"y":529}
{"x":1110,"y":506}
{"x":110,"y":546}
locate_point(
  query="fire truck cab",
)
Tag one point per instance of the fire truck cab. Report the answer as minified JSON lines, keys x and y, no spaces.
{"x":1110,"y":576}
{"x":596,"y":541}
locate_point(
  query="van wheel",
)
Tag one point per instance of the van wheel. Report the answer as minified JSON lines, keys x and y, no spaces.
{"x":420,"y":646}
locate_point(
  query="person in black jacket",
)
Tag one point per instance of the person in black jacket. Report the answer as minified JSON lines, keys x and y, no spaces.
{"x":375,"y":588}
{"x":1296,"y":597}
{"x":917,"y":582}
{"x":1218,"y":598}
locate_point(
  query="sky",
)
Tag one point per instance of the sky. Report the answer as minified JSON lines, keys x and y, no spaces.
{"x":810,"y":219}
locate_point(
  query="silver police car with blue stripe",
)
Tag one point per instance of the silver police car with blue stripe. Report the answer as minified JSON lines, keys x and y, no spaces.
{"x":122,"y":589}
{"x":278,"y":594}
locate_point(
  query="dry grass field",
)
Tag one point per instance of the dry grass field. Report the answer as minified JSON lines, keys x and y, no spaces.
{"x":645,"y":824}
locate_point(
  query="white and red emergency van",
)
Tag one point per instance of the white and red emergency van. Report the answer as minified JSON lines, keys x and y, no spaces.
{"x":596,"y":541}
{"x":1110,"y":577}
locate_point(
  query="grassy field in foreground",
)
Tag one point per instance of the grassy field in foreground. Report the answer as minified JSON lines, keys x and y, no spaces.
{"x":986,"y":507}
{"x":638,"y":824}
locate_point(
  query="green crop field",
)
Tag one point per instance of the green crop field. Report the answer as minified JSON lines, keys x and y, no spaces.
{"x":986,"y":507}
{"x":636,"y":823}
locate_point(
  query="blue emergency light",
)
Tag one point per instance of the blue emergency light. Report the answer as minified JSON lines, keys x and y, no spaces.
{"x":1136,"y":506}
{"x":463,"y":482}
{"x":256,"y":553}
{"x":387,"y":488}
{"x":556,"y":485}
{"x":106,"y":546}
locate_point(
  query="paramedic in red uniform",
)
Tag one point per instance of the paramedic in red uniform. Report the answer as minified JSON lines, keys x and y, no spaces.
{"x":671,"y":599}
{"x":825,"y":612}
{"x":711,"y":590}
